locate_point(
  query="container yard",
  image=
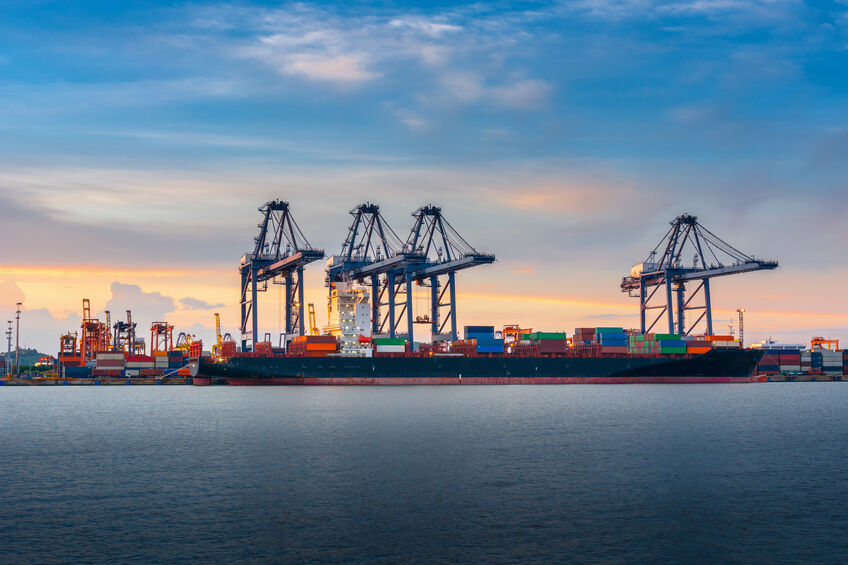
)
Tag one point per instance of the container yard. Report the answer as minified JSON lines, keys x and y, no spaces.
{"x":372,"y":320}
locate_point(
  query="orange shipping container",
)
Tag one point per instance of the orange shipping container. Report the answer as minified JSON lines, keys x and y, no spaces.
{"x":719,"y":337}
{"x":697,"y":350}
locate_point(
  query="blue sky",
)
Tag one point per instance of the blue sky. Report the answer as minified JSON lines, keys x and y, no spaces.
{"x":561,"y":136}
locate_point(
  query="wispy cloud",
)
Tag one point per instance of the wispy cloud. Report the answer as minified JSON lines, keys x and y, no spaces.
{"x":190,"y":303}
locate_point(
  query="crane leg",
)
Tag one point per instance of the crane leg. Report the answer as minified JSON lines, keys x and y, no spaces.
{"x":409,"y":321}
{"x":670,"y":303}
{"x":390,"y":281}
{"x":452,"y":283}
{"x":708,"y":306}
{"x":434,"y":305}
{"x":300,"y":306}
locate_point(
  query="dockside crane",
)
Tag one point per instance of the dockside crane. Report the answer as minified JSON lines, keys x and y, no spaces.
{"x":373,"y":254}
{"x":666,"y":268}
{"x":280,"y":253}
{"x":446,"y":253}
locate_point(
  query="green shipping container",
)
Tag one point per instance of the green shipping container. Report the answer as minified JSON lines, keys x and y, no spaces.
{"x":609,"y":330}
{"x":388,"y":341}
{"x":667,"y":337}
{"x":547,"y":335}
{"x":672,"y":350}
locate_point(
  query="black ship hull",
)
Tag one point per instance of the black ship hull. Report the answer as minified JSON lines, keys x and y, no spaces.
{"x":730,"y":365}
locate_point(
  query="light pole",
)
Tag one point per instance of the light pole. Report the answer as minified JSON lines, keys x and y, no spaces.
{"x":7,"y":365}
{"x":741,"y":326}
{"x":18,"y":340}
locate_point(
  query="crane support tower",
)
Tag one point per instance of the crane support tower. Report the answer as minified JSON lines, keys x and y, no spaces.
{"x":280,"y":253}
{"x":665,"y":269}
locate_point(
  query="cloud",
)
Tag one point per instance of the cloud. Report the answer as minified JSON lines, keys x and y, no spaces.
{"x":10,"y":293}
{"x":197,"y":304}
{"x":147,"y":306}
{"x":344,"y":68}
{"x":428,"y":27}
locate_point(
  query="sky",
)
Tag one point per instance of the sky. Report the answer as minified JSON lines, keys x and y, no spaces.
{"x":138,"y":139}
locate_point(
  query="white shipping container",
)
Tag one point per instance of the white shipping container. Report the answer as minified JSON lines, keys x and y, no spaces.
{"x":391,"y":349}
{"x":790,"y":368}
{"x":726,"y":344}
{"x":139,"y":365}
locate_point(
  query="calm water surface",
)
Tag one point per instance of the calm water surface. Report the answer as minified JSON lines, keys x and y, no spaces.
{"x":511,"y":474}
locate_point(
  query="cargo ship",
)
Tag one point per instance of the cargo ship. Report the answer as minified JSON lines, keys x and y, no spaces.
{"x":727,"y":365}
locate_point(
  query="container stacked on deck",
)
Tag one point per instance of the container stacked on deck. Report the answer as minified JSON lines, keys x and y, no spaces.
{"x":832,"y":363}
{"x":484,"y":338}
{"x":583,"y":336}
{"x":109,"y":364}
{"x":611,"y":340}
{"x":312,"y":346}
{"x":789,"y":361}
{"x":723,"y":341}
{"x":548,"y":343}
{"x":176,"y":359}
{"x":389,"y":346}
{"x":658,"y":344}
{"x":139,"y":365}
{"x":160,"y":360}
{"x":845,"y":362}
{"x":697,"y":344}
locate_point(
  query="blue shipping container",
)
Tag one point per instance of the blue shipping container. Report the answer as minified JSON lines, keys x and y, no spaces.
{"x":490,"y":349}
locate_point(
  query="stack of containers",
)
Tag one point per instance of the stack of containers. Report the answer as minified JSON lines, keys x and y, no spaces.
{"x":177,"y":360}
{"x":264,"y":349}
{"x":806,"y":362}
{"x":722,"y":341}
{"x":832,"y":363}
{"x":612,"y":340}
{"x":312,"y":345}
{"x":816,"y":365}
{"x":697,"y":344}
{"x":485,"y":338}
{"x":549,"y":342}
{"x":770,"y":362}
{"x":160,"y":360}
{"x":583,"y":336}
{"x":109,"y":364}
{"x":790,"y":361}
{"x":670,"y":344}
{"x":845,"y":362}
{"x":389,"y":346}
{"x":137,"y":363}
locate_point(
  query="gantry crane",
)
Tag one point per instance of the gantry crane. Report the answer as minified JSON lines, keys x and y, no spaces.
{"x":161,"y":337}
{"x":124,"y":338}
{"x":373,"y":252}
{"x":93,"y":337}
{"x":821,"y":344}
{"x":446,"y":252}
{"x":665,"y":268}
{"x":280,"y":253}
